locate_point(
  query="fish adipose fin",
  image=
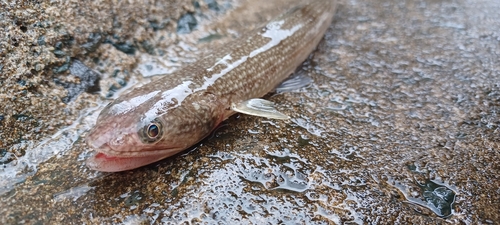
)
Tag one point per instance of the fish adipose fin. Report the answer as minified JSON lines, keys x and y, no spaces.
{"x":259,"y":107}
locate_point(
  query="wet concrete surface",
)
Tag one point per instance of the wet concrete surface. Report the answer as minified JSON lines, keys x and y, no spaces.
{"x":39,"y":41}
{"x":400,"y":125}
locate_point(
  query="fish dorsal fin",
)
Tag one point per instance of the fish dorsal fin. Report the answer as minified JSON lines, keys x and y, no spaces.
{"x":259,"y":107}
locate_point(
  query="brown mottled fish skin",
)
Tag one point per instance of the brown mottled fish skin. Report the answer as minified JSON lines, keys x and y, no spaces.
{"x":188,"y":104}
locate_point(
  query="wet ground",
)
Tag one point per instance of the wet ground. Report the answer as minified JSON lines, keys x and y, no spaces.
{"x":401,"y":123}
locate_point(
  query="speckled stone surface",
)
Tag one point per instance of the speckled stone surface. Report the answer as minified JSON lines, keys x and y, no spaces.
{"x":400,"y":126}
{"x":40,"y":39}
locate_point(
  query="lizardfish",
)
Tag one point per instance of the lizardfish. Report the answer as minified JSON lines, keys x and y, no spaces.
{"x":172,"y":113}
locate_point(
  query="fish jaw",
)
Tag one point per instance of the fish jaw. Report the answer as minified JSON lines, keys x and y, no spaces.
{"x":106,"y":163}
{"x":131,"y":154}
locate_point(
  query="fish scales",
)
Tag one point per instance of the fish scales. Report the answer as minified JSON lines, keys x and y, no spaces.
{"x":166,"y":116}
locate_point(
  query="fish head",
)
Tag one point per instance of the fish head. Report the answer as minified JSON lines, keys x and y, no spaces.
{"x":135,"y":131}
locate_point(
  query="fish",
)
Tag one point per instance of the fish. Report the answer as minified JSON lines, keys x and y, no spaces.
{"x":172,"y":113}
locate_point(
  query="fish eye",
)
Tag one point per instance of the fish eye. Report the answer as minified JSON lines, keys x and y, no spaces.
{"x":151,"y":132}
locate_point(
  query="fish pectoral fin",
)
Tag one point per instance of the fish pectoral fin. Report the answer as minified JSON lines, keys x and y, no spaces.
{"x":259,"y":107}
{"x":296,"y":81}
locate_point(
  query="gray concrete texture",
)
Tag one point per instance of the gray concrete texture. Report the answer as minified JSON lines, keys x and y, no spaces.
{"x":400,"y":124}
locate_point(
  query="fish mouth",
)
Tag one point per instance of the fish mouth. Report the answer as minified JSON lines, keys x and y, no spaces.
{"x":106,"y":151}
{"x":109,"y":163}
{"x":104,"y":160}
{"x":106,"y":163}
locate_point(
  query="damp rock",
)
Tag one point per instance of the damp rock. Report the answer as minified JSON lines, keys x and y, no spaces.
{"x":39,"y":67}
{"x":21,"y":117}
{"x":148,"y":47}
{"x":89,"y":81}
{"x":186,"y":24}
{"x":133,"y":199}
{"x":212,"y":4}
{"x":123,"y":46}
{"x":21,"y":82}
{"x":5,"y":156}
{"x":93,"y":41}
{"x":41,"y":40}
{"x":439,"y":198}
{"x":59,"y":53}
{"x":58,"y":45}
{"x":63,"y":68}
{"x":159,"y":24}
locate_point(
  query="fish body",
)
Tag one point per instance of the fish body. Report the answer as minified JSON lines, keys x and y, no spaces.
{"x":172,"y":113}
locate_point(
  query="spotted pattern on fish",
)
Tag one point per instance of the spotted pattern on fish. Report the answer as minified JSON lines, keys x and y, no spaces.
{"x":188,"y":104}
